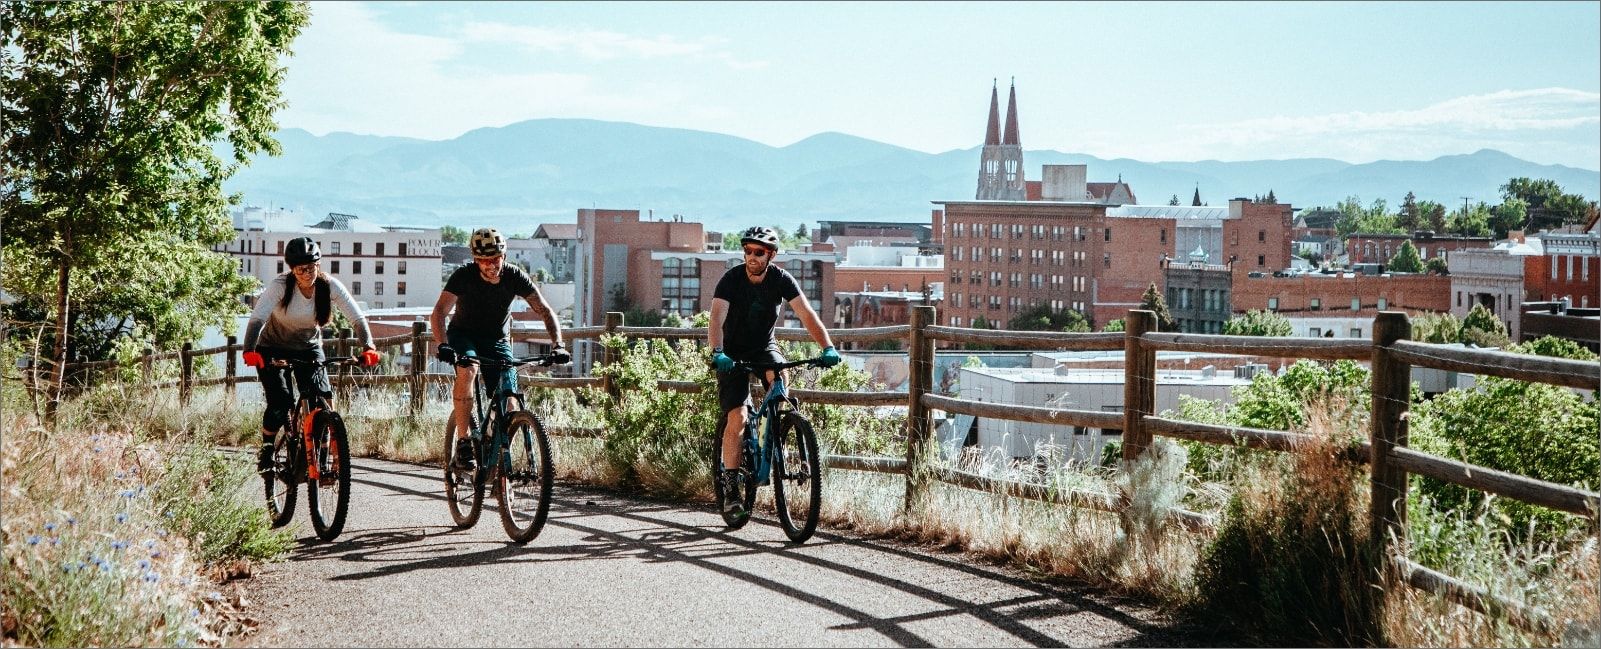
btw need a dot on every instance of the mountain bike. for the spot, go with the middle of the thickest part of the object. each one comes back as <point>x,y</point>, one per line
<point>512,453</point>
<point>777,446</point>
<point>312,449</point>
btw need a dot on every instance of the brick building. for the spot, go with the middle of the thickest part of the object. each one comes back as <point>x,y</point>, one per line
<point>1341,294</point>
<point>1381,248</point>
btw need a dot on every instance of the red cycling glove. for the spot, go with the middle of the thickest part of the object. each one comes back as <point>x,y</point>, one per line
<point>370,357</point>
<point>253,359</point>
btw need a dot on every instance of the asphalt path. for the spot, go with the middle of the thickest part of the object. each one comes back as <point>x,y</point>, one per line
<point>615,570</point>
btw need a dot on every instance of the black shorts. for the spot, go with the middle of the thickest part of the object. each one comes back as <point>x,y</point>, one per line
<point>275,383</point>
<point>733,388</point>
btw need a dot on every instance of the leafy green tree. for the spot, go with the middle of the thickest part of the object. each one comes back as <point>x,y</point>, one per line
<point>1437,328</point>
<point>1471,221</point>
<point>730,241</point>
<point>1547,206</point>
<point>1151,300</point>
<point>1411,216</point>
<point>451,234</point>
<point>112,190</point>
<point>1371,219</point>
<point>1406,260</point>
<point>980,323</point>
<point>1482,328</point>
<point>1437,266</point>
<point>1115,325</point>
<point>1433,215</point>
<point>1043,318</point>
<point>1509,215</point>
<point>1258,323</point>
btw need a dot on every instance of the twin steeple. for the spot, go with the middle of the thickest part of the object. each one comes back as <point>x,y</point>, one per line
<point>1000,171</point>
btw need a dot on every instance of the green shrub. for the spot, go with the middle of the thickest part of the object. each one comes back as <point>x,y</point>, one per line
<point>201,495</point>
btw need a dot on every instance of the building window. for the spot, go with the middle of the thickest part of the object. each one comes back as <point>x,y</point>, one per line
<point>280,247</point>
<point>1356,304</point>
<point>335,267</point>
<point>336,247</point>
<point>956,321</point>
<point>280,268</point>
<point>1317,304</point>
<point>377,288</point>
<point>1272,304</point>
<point>402,246</point>
<point>1108,234</point>
<point>400,288</point>
<point>355,288</point>
<point>1261,260</point>
<point>379,249</point>
<point>1459,298</point>
<point>1356,332</point>
<point>355,248</point>
<point>378,267</point>
<point>1261,235</point>
<point>1106,259</point>
<point>1315,332</point>
<point>355,267</point>
<point>400,267</point>
<point>1383,303</point>
<point>1164,235</point>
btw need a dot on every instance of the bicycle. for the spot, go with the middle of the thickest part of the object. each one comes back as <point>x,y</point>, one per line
<point>516,459</point>
<point>779,446</point>
<point>313,449</point>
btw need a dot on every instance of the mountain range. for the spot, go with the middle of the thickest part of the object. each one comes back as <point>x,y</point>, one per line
<point>517,176</point>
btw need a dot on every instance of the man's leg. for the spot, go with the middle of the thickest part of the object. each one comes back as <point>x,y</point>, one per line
<point>731,433</point>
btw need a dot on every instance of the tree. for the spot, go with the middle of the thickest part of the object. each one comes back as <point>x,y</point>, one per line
<point>1437,328</point>
<point>1406,260</point>
<point>1152,301</point>
<point>1433,215</point>
<point>1271,199</point>
<point>1174,200</point>
<point>1258,323</point>
<point>1470,222</point>
<point>1482,328</point>
<point>1410,217</point>
<point>453,235</point>
<point>980,323</point>
<point>111,184</point>
<point>801,233</point>
<point>1508,216</point>
<point>1115,325</point>
<point>1043,318</point>
<point>1437,266</point>
<point>1372,219</point>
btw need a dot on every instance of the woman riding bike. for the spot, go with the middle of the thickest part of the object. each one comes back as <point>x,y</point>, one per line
<point>287,324</point>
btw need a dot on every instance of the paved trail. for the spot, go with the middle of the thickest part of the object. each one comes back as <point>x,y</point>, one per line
<point>611,570</point>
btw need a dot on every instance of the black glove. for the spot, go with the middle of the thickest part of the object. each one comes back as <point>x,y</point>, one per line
<point>446,354</point>
<point>559,356</point>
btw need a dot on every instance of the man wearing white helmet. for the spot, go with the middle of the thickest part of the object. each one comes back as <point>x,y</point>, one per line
<point>745,310</point>
<point>481,296</point>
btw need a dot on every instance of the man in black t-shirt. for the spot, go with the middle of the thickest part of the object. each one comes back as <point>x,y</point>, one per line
<point>481,295</point>
<point>745,309</point>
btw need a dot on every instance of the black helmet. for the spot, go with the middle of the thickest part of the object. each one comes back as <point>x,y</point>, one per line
<point>487,242</point>
<point>301,250</point>
<point>759,234</point>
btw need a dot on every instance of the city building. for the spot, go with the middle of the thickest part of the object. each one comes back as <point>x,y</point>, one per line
<point>1381,248</point>
<point>382,266</point>
<point>1341,294</point>
<point>551,248</point>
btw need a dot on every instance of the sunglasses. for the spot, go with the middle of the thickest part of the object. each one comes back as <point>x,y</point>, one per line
<point>305,269</point>
<point>757,252</point>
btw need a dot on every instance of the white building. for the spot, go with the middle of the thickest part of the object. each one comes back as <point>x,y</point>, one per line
<point>1101,390</point>
<point>383,267</point>
<point>1494,278</point>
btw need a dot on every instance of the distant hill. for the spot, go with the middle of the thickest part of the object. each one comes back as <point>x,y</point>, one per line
<point>517,176</point>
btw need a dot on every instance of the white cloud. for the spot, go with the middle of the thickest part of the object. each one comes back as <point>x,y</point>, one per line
<point>1547,124</point>
<point>599,45</point>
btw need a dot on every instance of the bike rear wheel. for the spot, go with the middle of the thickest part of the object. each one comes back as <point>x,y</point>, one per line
<point>797,478</point>
<point>525,479</point>
<point>279,479</point>
<point>328,497</point>
<point>747,487</point>
<point>463,493</point>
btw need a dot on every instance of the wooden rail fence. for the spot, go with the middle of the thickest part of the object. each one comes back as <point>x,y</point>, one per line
<point>1385,452</point>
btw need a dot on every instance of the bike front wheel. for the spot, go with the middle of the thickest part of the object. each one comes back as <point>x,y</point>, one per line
<point>525,477</point>
<point>463,493</point>
<point>797,478</point>
<point>279,480</point>
<point>328,496</point>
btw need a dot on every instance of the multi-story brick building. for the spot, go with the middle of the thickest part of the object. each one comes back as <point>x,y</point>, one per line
<point>1341,294</point>
<point>383,267</point>
<point>1381,248</point>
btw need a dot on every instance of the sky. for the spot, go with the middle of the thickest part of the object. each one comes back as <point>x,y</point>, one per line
<point>1150,81</point>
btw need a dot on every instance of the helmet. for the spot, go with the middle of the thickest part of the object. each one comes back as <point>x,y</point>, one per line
<point>486,243</point>
<point>301,250</point>
<point>759,234</point>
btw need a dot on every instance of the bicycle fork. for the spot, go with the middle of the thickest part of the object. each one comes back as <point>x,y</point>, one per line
<point>310,448</point>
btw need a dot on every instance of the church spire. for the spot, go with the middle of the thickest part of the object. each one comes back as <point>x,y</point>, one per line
<point>1197,201</point>
<point>992,135</point>
<point>1011,118</point>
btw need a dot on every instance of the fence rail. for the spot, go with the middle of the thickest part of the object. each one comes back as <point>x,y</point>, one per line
<point>1385,453</point>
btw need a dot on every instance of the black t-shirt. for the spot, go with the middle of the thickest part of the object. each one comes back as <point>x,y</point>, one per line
<point>483,308</point>
<point>753,308</point>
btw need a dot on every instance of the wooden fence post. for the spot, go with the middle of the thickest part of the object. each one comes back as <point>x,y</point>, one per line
<point>187,374</point>
<point>148,366</point>
<point>232,365</point>
<point>609,355</point>
<point>419,360</point>
<point>1139,383</point>
<point>1392,385</point>
<point>919,428</point>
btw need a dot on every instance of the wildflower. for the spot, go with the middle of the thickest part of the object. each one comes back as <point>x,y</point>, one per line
<point>144,564</point>
<point>105,566</point>
<point>194,612</point>
<point>99,448</point>
<point>70,567</point>
<point>33,539</point>
<point>126,493</point>
<point>55,541</point>
<point>151,577</point>
<point>121,475</point>
<point>150,543</point>
<point>49,527</point>
<point>71,521</point>
<point>119,545</point>
<point>122,517</point>
<point>155,554</point>
<point>215,596</point>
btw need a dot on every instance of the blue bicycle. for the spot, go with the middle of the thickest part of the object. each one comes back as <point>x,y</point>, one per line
<point>513,457</point>
<point>777,446</point>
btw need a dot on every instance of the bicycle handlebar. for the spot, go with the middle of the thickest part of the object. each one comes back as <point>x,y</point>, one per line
<point>748,366</point>
<point>543,360</point>
<point>332,362</point>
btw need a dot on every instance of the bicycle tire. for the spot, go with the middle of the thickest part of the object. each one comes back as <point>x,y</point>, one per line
<point>524,485</point>
<point>733,521</point>
<point>332,454</point>
<point>463,494</point>
<point>278,482</point>
<point>797,478</point>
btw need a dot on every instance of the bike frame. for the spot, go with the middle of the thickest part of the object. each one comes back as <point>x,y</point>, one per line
<point>492,440</point>
<point>305,411</point>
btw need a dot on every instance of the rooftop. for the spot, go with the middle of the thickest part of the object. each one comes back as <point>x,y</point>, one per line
<point>1022,375</point>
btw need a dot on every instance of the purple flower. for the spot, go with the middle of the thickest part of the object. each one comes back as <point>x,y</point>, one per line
<point>119,545</point>
<point>155,554</point>
<point>122,517</point>
<point>33,539</point>
<point>215,596</point>
<point>150,543</point>
<point>144,564</point>
<point>71,566</point>
<point>151,577</point>
<point>126,493</point>
<point>72,521</point>
<point>99,448</point>
<point>49,527</point>
<point>121,475</point>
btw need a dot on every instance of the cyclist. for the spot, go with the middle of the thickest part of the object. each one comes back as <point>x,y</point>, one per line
<point>287,324</point>
<point>745,309</point>
<point>481,295</point>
